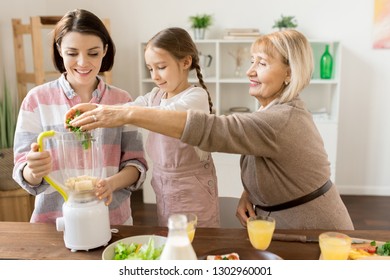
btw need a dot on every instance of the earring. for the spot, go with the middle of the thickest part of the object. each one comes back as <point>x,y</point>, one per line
<point>286,83</point>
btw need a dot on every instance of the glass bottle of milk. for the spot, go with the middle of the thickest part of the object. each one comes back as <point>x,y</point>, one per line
<point>178,245</point>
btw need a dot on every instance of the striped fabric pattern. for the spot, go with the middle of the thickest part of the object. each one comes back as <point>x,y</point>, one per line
<point>44,109</point>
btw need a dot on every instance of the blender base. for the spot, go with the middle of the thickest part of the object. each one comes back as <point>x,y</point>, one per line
<point>85,225</point>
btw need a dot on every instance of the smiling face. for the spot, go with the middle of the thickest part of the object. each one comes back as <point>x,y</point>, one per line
<point>82,55</point>
<point>268,75</point>
<point>168,73</point>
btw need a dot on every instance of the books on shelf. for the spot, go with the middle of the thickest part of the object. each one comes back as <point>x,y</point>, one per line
<point>241,33</point>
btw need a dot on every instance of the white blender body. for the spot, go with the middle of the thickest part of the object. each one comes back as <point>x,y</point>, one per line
<point>86,225</point>
<point>85,221</point>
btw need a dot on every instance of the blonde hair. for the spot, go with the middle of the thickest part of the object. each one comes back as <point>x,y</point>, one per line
<point>296,52</point>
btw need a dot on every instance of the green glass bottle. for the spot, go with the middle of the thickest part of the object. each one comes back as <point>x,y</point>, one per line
<point>326,64</point>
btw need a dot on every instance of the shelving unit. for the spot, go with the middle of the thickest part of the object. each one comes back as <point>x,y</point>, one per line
<point>229,90</point>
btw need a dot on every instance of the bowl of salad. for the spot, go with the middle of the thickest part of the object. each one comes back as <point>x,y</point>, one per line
<point>139,247</point>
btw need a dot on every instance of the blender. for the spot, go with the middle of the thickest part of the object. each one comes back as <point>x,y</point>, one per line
<point>77,167</point>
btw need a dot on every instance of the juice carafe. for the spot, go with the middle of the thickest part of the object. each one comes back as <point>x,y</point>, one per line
<point>178,245</point>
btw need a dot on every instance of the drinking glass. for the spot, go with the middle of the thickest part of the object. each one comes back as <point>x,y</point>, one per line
<point>192,221</point>
<point>334,245</point>
<point>260,231</point>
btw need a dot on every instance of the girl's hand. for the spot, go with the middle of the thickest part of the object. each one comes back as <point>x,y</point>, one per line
<point>38,165</point>
<point>244,209</point>
<point>104,191</point>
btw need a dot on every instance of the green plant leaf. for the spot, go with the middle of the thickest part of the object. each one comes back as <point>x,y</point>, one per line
<point>84,137</point>
<point>11,119</point>
<point>201,21</point>
<point>8,114</point>
<point>3,132</point>
<point>285,22</point>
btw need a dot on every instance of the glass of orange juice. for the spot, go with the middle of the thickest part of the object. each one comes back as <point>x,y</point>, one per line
<point>260,231</point>
<point>334,245</point>
<point>192,221</point>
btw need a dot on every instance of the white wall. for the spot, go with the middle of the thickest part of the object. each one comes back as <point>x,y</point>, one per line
<point>364,151</point>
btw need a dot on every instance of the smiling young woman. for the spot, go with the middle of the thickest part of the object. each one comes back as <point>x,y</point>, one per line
<point>82,47</point>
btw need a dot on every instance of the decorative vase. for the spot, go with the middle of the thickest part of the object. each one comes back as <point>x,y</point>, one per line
<point>239,54</point>
<point>326,64</point>
<point>238,71</point>
<point>199,33</point>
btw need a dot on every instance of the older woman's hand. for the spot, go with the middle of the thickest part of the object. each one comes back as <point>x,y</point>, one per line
<point>76,111</point>
<point>94,116</point>
<point>244,209</point>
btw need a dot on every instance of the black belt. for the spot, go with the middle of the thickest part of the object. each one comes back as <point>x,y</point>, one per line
<point>298,201</point>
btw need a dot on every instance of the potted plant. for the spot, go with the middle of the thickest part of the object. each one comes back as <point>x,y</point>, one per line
<point>18,202</point>
<point>199,23</point>
<point>285,22</point>
<point>8,117</point>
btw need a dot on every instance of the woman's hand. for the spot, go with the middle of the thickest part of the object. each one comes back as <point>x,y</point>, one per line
<point>38,165</point>
<point>169,123</point>
<point>244,209</point>
<point>94,116</point>
<point>104,191</point>
<point>81,108</point>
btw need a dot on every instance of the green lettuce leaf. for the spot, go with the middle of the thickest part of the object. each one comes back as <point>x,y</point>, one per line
<point>145,252</point>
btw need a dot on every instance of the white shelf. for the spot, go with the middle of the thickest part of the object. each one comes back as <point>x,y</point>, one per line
<point>234,81</point>
<point>324,82</point>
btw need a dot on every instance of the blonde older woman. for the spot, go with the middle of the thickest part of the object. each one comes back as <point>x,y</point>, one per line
<point>284,166</point>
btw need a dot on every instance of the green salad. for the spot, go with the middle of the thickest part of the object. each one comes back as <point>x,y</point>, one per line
<point>84,137</point>
<point>382,250</point>
<point>135,251</point>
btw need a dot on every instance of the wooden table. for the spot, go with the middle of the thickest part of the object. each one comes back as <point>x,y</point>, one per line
<point>22,240</point>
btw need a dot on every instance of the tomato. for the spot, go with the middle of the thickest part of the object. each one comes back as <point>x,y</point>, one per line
<point>232,257</point>
<point>371,249</point>
<point>367,247</point>
<point>226,257</point>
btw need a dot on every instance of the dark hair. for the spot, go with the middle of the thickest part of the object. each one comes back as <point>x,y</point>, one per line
<point>82,21</point>
<point>179,44</point>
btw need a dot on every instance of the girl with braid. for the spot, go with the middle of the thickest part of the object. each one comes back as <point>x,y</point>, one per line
<point>184,177</point>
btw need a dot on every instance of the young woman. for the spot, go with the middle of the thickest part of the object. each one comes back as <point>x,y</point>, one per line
<point>184,177</point>
<point>82,47</point>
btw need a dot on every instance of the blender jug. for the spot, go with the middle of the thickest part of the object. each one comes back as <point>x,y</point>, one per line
<point>77,167</point>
